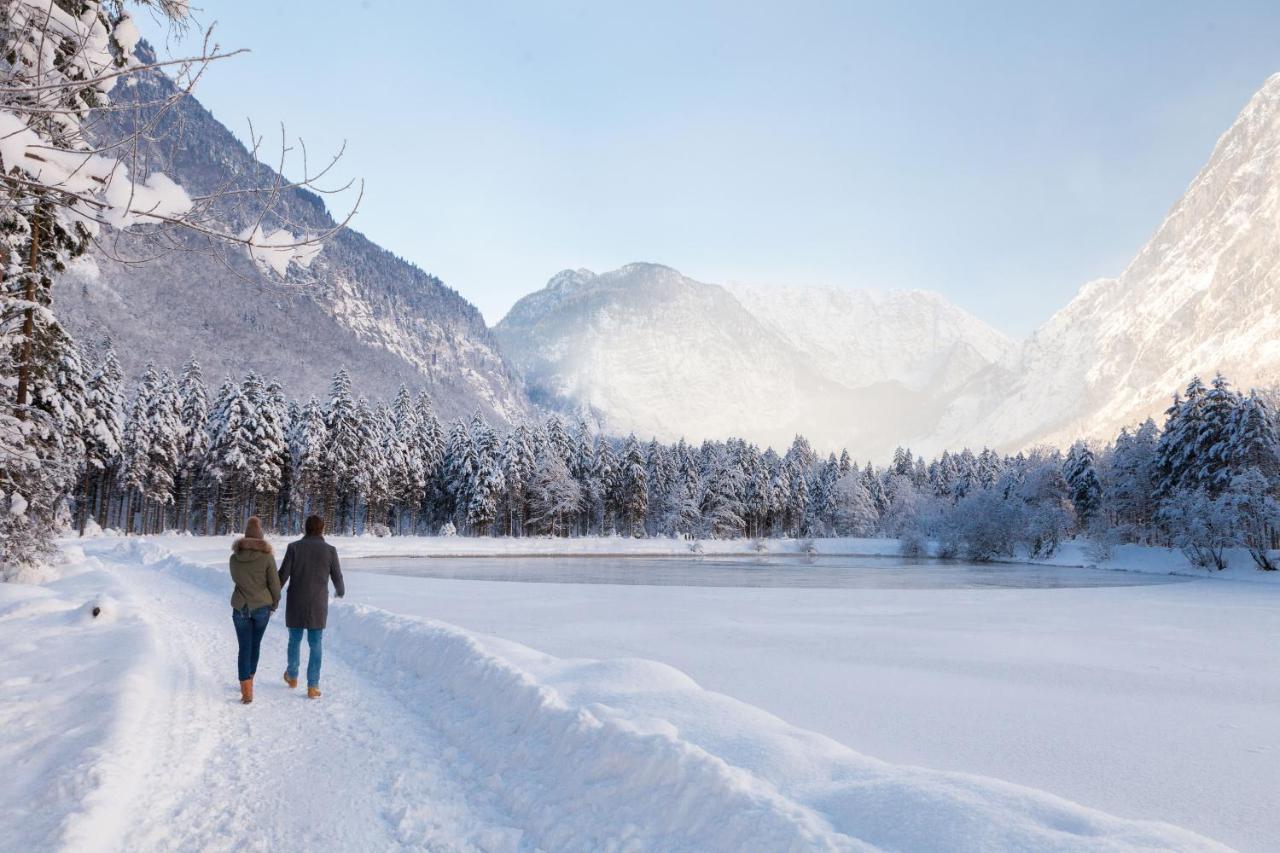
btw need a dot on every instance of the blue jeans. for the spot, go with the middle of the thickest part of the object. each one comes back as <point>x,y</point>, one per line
<point>250,626</point>
<point>314,636</point>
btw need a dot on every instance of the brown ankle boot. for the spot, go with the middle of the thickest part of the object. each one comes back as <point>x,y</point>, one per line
<point>313,692</point>
<point>292,682</point>
<point>246,691</point>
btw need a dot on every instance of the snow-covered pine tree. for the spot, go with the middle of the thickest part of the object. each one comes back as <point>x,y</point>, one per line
<point>560,439</point>
<point>779,493</point>
<point>582,465</point>
<point>1254,443</point>
<point>42,407</point>
<point>684,508</point>
<point>378,456</point>
<point>1178,440</point>
<point>967,477</point>
<point>488,483</point>
<point>519,465</point>
<point>796,490</point>
<point>137,451</point>
<point>920,476</point>
<point>409,474</point>
<point>460,466</point>
<point>164,450</point>
<point>194,397</point>
<point>604,490</point>
<point>227,472</point>
<point>661,470</point>
<point>1213,451</point>
<point>988,468</point>
<point>308,445</point>
<point>264,421</point>
<point>824,501</point>
<point>721,506</point>
<point>431,444</point>
<point>633,488</point>
<point>1133,481</point>
<point>41,439</point>
<point>755,488</point>
<point>943,477</point>
<point>282,413</point>
<point>874,485</point>
<point>343,461</point>
<point>104,430</point>
<point>903,463</point>
<point>801,453</point>
<point>1084,487</point>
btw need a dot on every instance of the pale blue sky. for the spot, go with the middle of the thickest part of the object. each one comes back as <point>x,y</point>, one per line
<point>1000,154</point>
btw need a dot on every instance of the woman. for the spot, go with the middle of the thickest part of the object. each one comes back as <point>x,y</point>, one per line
<point>257,595</point>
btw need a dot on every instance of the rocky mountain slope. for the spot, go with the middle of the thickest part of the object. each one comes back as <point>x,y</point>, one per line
<point>1201,296</point>
<point>653,351</point>
<point>358,305</point>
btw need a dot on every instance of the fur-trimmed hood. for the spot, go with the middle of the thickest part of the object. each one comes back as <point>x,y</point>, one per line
<point>244,543</point>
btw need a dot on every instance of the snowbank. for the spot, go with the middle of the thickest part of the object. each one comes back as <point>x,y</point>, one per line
<point>591,755</point>
<point>1153,560</point>
<point>73,697</point>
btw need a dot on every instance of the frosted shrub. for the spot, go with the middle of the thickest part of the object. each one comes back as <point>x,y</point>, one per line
<point>1254,514</point>
<point>378,529</point>
<point>1103,537</point>
<point>447,529</point>
<point>1200,526</point>
<point>986,525</point>
<point>1042,528</point>
<point>912,543</point>
<point>949,543</point>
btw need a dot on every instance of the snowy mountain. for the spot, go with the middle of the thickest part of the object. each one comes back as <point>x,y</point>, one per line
<point>1201,296</point>
<point>862,337</point>
<point>361,306</point>
<point>655,352</point>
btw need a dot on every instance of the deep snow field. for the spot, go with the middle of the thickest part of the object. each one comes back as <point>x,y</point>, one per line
<point>632,717</point>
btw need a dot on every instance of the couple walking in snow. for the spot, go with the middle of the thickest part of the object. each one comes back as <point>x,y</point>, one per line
<point>309,565</point>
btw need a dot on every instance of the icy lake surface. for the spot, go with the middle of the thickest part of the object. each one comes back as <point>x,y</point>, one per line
<point>772,571</point>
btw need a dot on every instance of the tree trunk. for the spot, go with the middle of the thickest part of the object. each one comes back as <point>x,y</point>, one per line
<point>28,321</point>
<point>82,504</point>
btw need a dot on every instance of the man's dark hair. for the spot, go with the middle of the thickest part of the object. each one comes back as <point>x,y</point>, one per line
<point>315,525</point>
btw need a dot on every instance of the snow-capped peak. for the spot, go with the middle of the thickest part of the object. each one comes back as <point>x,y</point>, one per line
<point>662,354</point>
<point>1201,296</point>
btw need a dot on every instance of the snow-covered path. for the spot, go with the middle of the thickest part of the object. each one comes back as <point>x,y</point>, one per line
<point>223,776</point>
<point>124,732</point>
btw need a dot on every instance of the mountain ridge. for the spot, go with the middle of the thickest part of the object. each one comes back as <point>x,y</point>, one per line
<point>363,307</point>
<point>650,350</point>
<point>1201,296</point>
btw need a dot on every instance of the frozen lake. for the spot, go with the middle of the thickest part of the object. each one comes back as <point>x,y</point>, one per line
<point>772,571</point>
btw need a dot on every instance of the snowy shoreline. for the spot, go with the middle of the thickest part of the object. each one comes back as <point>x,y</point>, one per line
<point>1071,554</point>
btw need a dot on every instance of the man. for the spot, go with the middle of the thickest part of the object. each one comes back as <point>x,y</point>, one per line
<point>309,564</point>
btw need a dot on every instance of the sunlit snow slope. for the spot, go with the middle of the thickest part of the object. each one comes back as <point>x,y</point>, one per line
<point>656,352</point>
<point>1200,297</point>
